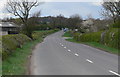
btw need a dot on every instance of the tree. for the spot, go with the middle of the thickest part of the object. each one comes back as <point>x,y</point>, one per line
<point>111,9</point>
<point>73,21</point>
<point>21,8</point>
<point>32,23</point>
<point>60,21</point>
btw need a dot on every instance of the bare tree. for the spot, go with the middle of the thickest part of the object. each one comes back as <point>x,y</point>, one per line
<point>21,8</point>
<point>33,22</point>
<point>111,9</point>
<point>74,20</point>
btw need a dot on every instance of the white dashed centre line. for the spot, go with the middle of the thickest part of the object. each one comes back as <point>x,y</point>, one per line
<point>114,73</point>
<point>64,47</point>
<point>89,61</point>
<point>76,54</point>
<point>69,50</point>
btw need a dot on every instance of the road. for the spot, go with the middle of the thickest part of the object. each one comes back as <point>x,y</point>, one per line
<point>55,56</point>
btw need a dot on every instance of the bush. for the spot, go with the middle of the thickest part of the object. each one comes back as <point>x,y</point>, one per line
<point>76,36</point>
<point>116,24</point>
<point>111,37</point>
<point>43,27</point>
<point>41,34</point>
<point>88,37</point>
<point>11,42</point>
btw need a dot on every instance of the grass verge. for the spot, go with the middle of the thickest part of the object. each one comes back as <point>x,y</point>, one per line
<point>97,45</point>
<point>67,34</point>
<point>17,62</point>
<point>93,44</point>
<point>0,67</point>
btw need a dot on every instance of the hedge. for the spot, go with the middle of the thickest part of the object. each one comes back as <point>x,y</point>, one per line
<point>38,34</point>
<point>116,24</point>
<point>111,37</point>
<point>11,42</point>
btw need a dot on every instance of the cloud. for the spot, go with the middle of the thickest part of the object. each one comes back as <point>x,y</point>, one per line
<point>65,8</point>
<point>69,8</point>
<point>97,3</point>
<point>72,0</point>
<point>2,4</point>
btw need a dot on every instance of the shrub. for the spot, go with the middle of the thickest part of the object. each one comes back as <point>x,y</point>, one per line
<point>111,37</point>
<point>116,24</point>
<point>88,37</point>
<point>76,36</point>
<point>38,34</point>
<point>11,42</point>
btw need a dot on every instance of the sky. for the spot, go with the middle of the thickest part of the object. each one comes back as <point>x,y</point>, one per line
<point>64,7</point>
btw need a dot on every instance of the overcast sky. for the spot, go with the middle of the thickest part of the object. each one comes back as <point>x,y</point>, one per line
<point>66,8</point>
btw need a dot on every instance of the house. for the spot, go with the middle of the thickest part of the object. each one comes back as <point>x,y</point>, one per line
<point>8,28</point>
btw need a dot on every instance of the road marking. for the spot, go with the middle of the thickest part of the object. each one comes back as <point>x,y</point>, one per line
<point>69,50</point>
<point>89,61</point>
<point>114,73</point>
<point>76,54</point>
<point>64,47</point>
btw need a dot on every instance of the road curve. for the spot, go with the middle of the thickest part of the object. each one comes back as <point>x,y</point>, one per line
<point>55,56</point>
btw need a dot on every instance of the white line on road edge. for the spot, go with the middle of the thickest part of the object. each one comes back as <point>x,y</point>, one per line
<point>76,54</point>
<point>69,50</point>
<point>89,61</point>
<point>64,47</point>
<point>114,73</point>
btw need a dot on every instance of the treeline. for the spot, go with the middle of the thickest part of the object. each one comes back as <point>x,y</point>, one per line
<point>51,22</point>
<point>59,22</point>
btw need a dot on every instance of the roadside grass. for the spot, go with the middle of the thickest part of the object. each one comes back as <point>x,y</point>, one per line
<point>67,34</point>
<point>97,45</point>
<point>94,44</point>
<point>72,40</point>
<point>103,47</point>
<point>0,67</point>
<point>16,64</point>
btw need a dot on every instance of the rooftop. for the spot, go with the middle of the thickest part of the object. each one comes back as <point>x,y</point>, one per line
<point>7,24</point>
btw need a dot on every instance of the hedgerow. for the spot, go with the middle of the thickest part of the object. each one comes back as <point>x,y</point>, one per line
<point>38,34</point>
<point>111,37</point>
<point>11,42</point>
